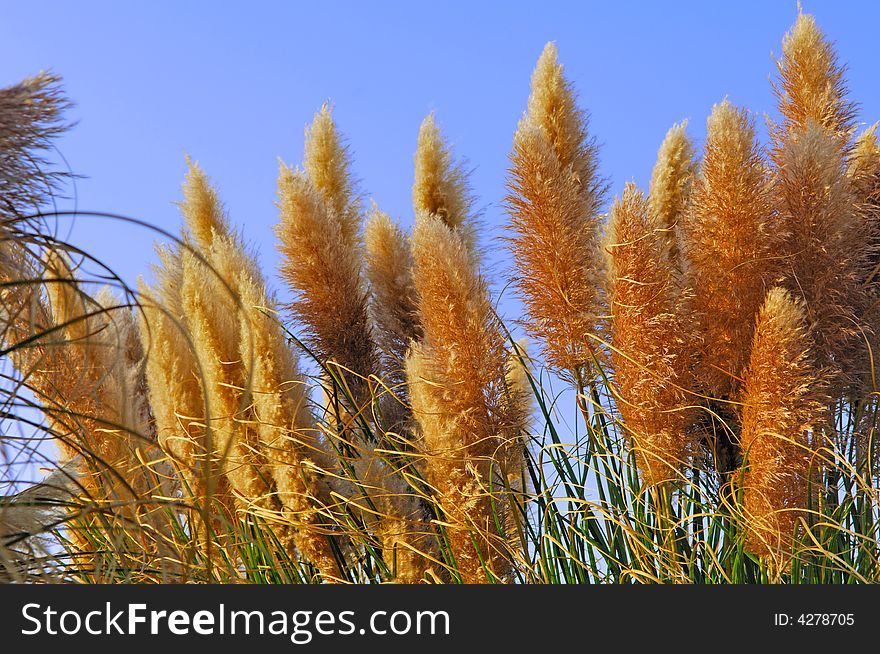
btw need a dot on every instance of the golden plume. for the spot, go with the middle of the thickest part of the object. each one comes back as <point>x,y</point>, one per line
<point>829,248</point>
<point>441,186</point>
<point>210,302</point>
<point>671,182</point>
<point>177,399</point>
<point>732,242</point>
<point>323,269</point>
<point>554,199</point>
<point>783,413</point>
<point>285,428</point>
<point>811,87</point>
<point>393,296</point>
<point>327,163</point>
<point>457,383</point>
<point>650,354</point>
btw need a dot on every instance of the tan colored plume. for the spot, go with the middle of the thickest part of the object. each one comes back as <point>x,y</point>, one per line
<point>783,413</point>
<point>457,378</point>
<point>554,199</point>
<point>732,244</point>
<point>650,351</point>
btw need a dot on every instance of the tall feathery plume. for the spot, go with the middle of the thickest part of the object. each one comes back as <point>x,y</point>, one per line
<point>864,160</point>
<point>671,183</point>
<point>811,87</point>
<point>30,119</point>
<point>319,239</point>
<point>652,361</point>
<point>209,298</point>
<point>829,249</point>
<point>176,394</point>
<point>288,436</point>
<point>251,399</point>
<point>441,185</point>
<point>457,384</point>
<point>440,189</point>
<point>554,198</point>
<point>327,163</point>
<point>409,539</point>
<point>863,171</point>
<point>393,302</point>
<point>783,410</point>
<point>96,398</point>
<point>732,241</point>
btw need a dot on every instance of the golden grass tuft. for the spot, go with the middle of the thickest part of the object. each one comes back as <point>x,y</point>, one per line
<point>327,163</point>
<point>671,182</point>
<point>863,171</point>
<point>552,107</point>
<point>209,295</point>
<point>732,241</point>
<point>231,404</point>
<point>393,300</point>
<point>553,201</point>
<point>89,376</point>
<point>286,431</point>
<point>322,267</point>
<point>441,185</point>
<point>829,250</point>
<point>811,87</point>
<point>30,119</point>
<point>176,395</point>
<point>468,425</point>
<point>783,414</point>
<point>650,351</point>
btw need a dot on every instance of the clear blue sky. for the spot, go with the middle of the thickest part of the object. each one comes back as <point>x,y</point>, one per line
<point>234,84</point>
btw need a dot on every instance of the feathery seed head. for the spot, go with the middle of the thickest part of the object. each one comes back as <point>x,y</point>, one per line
<point>651,359</point>
<point>554,197</point>
<point>327,162</point>
<point>864,158</point>
<point>441,186</point>
<point>672,177</point>
<point>324,272</point>
<point>457,377</point>
<point>783,411</point>
<point>732,240</point>
<point>553,108</point>
<point>830,249</point>
<point>554,239</point>
<point>394,309</point>
<point>30,119</point>
<point>201,207</point>
<point>811,84</point>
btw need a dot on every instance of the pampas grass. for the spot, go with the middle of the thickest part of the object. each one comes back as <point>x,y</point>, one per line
<point>554,198</point>
<point>385,425</point>
<point>732,241</point>
<point>323,268</point>
<point>652,357</point>
<point>784,409</point>
<point>671,182</point>
<point>811,85</point>
<point>468,425</point>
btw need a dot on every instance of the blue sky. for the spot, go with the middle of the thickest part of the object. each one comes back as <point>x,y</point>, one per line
<point>233,84</point>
